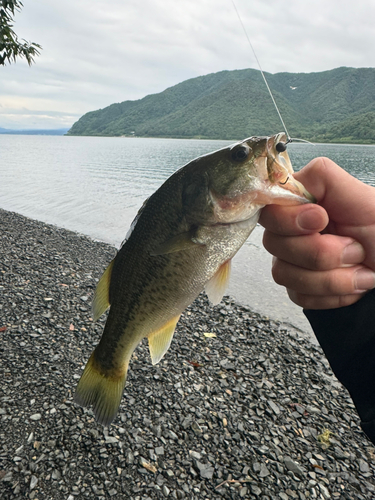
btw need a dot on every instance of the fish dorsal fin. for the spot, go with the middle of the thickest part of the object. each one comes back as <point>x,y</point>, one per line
<point>183,241</point>
<point>101,296</point>
<point>160,340</point>
<point>215,288</point>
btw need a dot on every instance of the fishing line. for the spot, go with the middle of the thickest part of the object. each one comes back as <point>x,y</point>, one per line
<point>260,67</point>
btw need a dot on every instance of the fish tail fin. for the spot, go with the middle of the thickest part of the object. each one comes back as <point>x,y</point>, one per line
<point>102,391</point>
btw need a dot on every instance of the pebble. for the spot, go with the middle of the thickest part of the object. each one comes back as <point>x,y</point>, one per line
<point>206,470</point>
<point>293,466</point>
<point>243,423</point>
<point>36,416</point>
<point>274,407</point>
<point>33,482</point>
<point>363,466</point>
<point>263,471</point>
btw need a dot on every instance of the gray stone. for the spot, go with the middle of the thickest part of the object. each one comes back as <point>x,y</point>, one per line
<point>293,466</point>
<point>263,471</point>
<point>33,482</point>
<point>274,407</point>
<point>363,466</point>
<point>255,490</point>
<point>166,491</point>
<point>36,416</point>
<point>206,470</point>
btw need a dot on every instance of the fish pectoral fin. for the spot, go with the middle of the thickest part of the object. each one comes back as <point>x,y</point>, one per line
<point>183,241</point>
<point>101,296</point>
<point>101,390</point>
<point>215,288</point>
<point>160,340</point>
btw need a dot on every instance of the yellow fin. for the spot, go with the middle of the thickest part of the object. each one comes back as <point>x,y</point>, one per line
<point>183,241</point>
<point>160,340</point>
<point>215,288</point>
<point>101,296</point>
<point>101,391</point>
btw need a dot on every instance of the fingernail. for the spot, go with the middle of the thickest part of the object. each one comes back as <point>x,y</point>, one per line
<point>353,253</point>
<point>364,279</point>
<point>310,220</point>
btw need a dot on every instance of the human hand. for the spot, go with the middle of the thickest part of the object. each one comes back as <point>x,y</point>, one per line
<point>324,254</point>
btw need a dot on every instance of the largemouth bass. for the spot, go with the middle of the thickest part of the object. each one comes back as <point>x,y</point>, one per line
<point>181,243</point>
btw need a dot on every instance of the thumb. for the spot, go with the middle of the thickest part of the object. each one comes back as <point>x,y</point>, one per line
<point>350,203</point>
<point>347,200</point>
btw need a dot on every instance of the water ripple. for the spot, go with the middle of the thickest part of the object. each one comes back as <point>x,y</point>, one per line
<point>96,185</point>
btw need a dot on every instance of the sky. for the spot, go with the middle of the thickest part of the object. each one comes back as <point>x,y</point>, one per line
<point>96,52</point>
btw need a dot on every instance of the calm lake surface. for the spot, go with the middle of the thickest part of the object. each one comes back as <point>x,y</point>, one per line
<point>96,185</point>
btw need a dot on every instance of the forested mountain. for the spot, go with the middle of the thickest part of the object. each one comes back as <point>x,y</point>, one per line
<point>329,106</point>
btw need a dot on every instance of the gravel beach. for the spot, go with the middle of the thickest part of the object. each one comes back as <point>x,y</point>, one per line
<point>240,407</point>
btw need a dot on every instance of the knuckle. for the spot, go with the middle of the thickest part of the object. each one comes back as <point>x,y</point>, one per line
<point>322,258</point>
<point>278,272</point>
<point>268,238</point>
<point>298,298</point>
<point>336,284</point>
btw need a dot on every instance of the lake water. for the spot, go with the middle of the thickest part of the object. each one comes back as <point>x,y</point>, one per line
<point>96,185</point>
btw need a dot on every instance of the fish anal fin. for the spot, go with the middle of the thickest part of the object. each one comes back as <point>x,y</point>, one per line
<point>102,391</point>
<point>101,296</point>
<point>215,288</point>
<point>160,340</point>
<point>183,241</point>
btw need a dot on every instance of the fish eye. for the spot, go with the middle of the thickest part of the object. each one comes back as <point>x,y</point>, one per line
<point>240,153</point>
<point>280,147</point>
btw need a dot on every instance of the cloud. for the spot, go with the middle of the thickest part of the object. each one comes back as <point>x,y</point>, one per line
<point>96,53</point>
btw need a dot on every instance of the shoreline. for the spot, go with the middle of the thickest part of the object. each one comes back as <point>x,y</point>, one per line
<point>235,415</point>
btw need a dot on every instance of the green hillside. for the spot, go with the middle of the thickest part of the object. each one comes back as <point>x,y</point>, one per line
<point>330,106</point>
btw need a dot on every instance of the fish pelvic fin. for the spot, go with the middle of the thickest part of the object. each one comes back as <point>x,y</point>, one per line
<point>101,297</point>
<point>102,391</point>
<point>215,288</point>
<point>160,340</point>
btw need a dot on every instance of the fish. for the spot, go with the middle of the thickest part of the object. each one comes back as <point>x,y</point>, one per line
<point>180,243</point>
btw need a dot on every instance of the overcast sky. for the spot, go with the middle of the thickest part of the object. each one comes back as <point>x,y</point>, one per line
<point>97,52</point>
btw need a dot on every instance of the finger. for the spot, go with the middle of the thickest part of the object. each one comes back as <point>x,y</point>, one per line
<point>340,281</point>
<point>294,220</point>
<point>322,302</point>
<point>346,199</point>
<point>349,202</point>
<point>317,252</point>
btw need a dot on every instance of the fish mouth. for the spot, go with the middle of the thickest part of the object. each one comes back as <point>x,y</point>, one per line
<point>279,165</point>
<point>297,188</point>
<point>288,192</point>
<point>282,186</point>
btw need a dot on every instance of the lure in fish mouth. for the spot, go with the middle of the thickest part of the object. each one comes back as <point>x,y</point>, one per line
<point>181,243</point>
